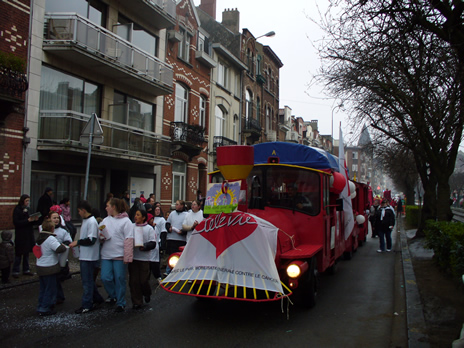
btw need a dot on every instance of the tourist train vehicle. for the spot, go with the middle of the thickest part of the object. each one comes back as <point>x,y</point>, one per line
<point>289,226</point>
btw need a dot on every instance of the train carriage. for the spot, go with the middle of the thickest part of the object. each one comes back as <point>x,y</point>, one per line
<point>292,187</point>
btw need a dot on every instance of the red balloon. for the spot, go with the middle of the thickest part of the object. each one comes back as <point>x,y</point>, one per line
<point>338,184</point>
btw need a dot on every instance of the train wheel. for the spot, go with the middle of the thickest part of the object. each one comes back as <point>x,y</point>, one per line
<point>307,291</point>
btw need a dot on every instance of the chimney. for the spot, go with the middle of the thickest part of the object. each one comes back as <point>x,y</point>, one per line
<point>231,20</point>
<point>209,6</point>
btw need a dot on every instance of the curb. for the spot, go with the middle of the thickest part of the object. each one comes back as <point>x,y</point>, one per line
<point>417,337</point>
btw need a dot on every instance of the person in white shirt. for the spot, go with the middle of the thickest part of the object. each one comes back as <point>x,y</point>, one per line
<point>139,268</point>
<point>117,232</point>
<point>176,237</point>
<point>48,268</point>
<point>159,224</point>
<point>193,218</point>
<point>63,236</point>
<point>89,255</point>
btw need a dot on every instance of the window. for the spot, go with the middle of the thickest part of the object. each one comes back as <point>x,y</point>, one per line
<point>248,105</point>
<point>184,46</point>
<point>289,188</point>
<point>202,111</point>
<point>219,114</point>
<point>258,65</point>
<point>93,10</point>
<point>237,85</point>
<point>258,108</point>
<point>235,128</point>
<point>66,185</point>
<point>138,36</point>
<point>355,155</point>
<point>178,179</point>
<point>250,62</point>
<point>61,91</point>
<point>203,43</point>
<point>354,168</point>
<point>133,112</point>
<point>269,77</point>
<point>268,119</point>
<point>181,104</point>
<point>223,72</point>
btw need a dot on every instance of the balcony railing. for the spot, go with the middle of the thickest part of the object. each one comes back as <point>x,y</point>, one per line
<point>12,83</point>
<point>64,127</point>
<point>222,141</point>
<point>292,136</point>
<point>252,125</point>
<point>272,135</point>
<point>167,5</point>
<point>74,30</point>
<point>187,133</point>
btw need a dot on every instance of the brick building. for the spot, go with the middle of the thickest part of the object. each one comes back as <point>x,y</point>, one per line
<point>14,33</point>
<point>187,110</point>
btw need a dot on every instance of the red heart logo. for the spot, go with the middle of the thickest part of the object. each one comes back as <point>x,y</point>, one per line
<point>224,230</point>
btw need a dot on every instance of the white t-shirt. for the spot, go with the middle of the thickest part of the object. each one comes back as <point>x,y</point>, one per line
<point>49,256</point>
<point>191,218</point>
<point>62,235</point>
<point>148,236</point>
<point>160,227</point>
<point>119,230</point>
<point>176,220</point>
<point>89,229</point>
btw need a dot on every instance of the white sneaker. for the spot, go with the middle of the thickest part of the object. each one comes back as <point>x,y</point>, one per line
<point>380,251</point>
<point>389,250</point>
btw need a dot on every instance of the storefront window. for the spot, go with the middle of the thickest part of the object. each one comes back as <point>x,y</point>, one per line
<point>66,185</point>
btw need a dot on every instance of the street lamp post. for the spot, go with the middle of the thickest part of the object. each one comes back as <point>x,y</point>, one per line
<point>333,109</point>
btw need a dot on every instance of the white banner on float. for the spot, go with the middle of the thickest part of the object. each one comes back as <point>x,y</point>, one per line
<point>235,249</point>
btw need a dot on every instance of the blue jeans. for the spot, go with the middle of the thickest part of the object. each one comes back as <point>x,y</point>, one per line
<point>385,233</point>
<point>17,263</point>
<point>47,293</point>
<point>91,294</point>
<point>113,276</point>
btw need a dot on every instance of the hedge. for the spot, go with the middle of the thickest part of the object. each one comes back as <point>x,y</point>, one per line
<point>412,216</point>
<point>447,241</point>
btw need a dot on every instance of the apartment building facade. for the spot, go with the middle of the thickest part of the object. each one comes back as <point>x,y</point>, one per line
<point>108,58</point>
<point>14,31</point>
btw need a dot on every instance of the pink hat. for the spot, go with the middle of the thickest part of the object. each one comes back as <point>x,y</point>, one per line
<point>149,217</point>
<point>56,209</point>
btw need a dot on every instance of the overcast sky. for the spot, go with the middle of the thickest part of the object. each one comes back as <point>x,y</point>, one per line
<point>293,44</point>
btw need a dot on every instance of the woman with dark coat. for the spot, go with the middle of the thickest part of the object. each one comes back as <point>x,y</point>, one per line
<point>24,235</point>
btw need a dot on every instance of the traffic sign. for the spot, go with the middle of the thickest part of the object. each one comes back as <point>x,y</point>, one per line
<point>93,127</point>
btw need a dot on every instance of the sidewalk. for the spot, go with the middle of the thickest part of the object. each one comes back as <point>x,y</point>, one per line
<point>417,335</point>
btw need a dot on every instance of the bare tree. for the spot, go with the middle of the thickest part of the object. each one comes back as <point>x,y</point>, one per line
<point>396,65</point>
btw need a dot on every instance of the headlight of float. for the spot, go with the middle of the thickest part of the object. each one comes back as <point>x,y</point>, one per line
<point>173,260</point>
<point>293,271</point>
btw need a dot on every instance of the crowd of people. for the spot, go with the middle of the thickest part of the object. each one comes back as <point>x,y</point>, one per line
<point>126,241</point>
<point>382,217</point>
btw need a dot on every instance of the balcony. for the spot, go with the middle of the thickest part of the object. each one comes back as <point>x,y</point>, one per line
<point>271,135</point>
<point>222,141</point>
<point>160,13</point>
<point>260,79</point>
<point>12,85</point>
<point>60,130</point>
<point>187,138</point>
<point>99,51</point>
<point>292,137</point>
<point>252,125</point>
<point>205,58</point>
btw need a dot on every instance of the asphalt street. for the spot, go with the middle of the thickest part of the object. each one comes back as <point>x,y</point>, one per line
<point>362,305</point>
